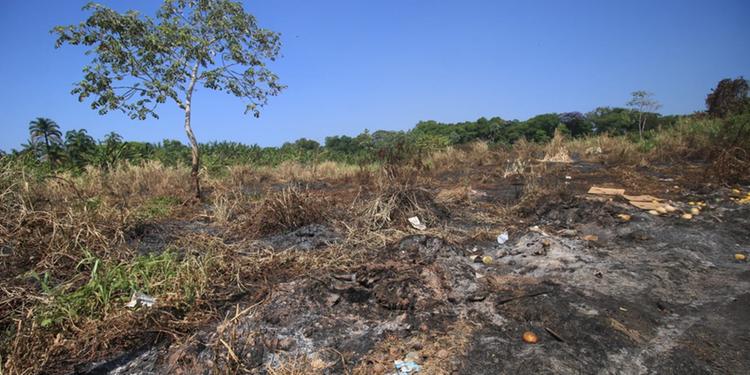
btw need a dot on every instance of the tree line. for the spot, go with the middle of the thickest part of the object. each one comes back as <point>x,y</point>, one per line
<point>75,150</point>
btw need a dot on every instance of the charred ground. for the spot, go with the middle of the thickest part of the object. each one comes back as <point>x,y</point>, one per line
<point>281,275</point>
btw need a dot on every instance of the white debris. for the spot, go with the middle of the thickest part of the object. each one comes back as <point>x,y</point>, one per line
<point>138,299</point>
<point>414,221</point>
<point>502,238</point>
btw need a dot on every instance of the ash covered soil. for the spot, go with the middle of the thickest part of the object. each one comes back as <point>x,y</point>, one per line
<point>655,294</point>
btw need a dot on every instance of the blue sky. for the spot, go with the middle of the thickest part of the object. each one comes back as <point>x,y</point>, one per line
<point>355,64</point>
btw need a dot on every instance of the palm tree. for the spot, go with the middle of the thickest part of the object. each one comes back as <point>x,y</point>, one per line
<point>44,129</point>
<point>111,151</point>
<point>79,146</point>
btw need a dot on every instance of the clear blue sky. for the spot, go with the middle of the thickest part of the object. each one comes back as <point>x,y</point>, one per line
<point>352,64</point>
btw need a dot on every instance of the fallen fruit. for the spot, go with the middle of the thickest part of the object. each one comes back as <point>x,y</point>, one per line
<point>624,217</point>
<point>687,216</point>
<point>662,210</point>
<point>695,210</point>
<point>487,259</point>
<point>590,237</point>
<point>654,212</point>
<point>740,257</point>
<point>530,337</point>
<point>670,208</point>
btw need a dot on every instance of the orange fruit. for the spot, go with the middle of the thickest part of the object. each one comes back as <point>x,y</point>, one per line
<point>530,337</point>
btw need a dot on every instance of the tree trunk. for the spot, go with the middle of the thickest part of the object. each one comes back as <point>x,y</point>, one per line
<point>641,124</point>
<point>47,148</point>
<point>191,136</point>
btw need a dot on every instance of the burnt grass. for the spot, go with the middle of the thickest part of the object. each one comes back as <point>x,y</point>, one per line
<point>653,294</point>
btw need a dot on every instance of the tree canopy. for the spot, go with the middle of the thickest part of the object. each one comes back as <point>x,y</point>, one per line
<point>729,97</point>
<point>140,62</point>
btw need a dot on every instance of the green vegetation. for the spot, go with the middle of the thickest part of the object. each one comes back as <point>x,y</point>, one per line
<point>114,281</point>
<point>79,150</point>
<point>157,207</point>
<point>140,62</point>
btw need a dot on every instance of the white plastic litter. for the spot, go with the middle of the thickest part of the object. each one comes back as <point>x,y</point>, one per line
<point>139,299</point>
<point>407,367</point>
<point>502,238</point>
<point>414,221</point>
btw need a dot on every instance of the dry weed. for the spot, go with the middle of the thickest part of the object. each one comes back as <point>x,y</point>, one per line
<point>462,194</point>
<point>291,171</point>
<point>607,149</point>
<point>288,209</point>
<point>439,351</point>
<point>732,166</point>
<point>556,151</point>
<point>394,204</point>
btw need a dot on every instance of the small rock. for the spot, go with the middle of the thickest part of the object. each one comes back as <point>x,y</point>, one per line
<point>476,297</point>
<point>568,232</point>
<point>286,344</point>
<point>413,356</point>
<point>332,299</point>
<point>378,368</point>
<point>318,364</point>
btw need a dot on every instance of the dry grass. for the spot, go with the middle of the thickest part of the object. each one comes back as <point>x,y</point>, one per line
<point>297,365</point>
<point>461,195</point>
<point>290,171</point>
<point>556,151</point>
<point>288,209</point>
<point>64,240</point>
<point>393,205</point>
<point>474,154</point>
<point>607,149</point>
<point>437,349</point>
<point>732,165</point>
<point>688,139</point>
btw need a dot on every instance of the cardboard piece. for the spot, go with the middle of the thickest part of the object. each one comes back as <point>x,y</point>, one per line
<point>641,198</point>
<point>606,191</point>
<point>646,205</point>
